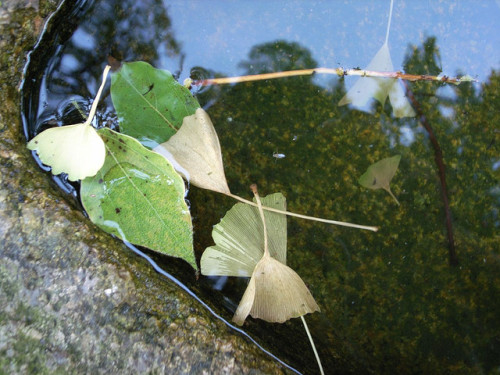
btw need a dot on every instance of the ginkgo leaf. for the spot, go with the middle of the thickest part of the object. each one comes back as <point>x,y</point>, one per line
<point>275,294</point>
<point>74,149</point>
<point>239,239</point>
<point>379,174</point>
<point>196,148</point>
<point>379,88</point>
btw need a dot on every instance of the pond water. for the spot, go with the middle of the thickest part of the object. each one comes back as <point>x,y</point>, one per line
<point>419,296</point>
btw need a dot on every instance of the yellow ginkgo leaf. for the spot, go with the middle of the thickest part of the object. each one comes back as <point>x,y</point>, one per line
<point>239,239</point>
<point>275,293</point>
<point>74,149</point>
<point>244,247</point>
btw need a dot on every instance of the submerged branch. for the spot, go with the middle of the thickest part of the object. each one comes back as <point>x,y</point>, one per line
<point>438,157</point>
<point>338,71</point>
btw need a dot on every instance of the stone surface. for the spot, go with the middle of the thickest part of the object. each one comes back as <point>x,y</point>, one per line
<point>74,300</point>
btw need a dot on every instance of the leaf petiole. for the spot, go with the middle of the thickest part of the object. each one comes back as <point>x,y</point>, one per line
<point>341,223</point>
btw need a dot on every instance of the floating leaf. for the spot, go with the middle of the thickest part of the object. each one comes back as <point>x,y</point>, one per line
<point>379,174</point>
<point>379,88</point>
<point>74,149</point>
<point>138,197</point>
<point>149,102</point>
<point>196,149</point>
<point>239,239</point>
<point>275,294</point>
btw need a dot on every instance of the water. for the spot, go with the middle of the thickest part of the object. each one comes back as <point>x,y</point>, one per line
<point>390,300</point>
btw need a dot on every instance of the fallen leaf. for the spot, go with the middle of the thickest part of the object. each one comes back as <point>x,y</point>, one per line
<point>379,175</point>
<point>139,197</point>
<point>379,88</point>
<point>275,292</point>
<point>239,239</point>
<point>196,149</point>
<point>149,102</point>
<point>73,149</point>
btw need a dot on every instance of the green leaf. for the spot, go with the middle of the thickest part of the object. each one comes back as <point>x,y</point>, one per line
<point>239,239</point>
<point>138,197</point>
<point>149,102</point>
<point>379,174</point>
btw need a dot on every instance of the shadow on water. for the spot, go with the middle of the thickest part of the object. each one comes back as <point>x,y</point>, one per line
<point>390,302</point>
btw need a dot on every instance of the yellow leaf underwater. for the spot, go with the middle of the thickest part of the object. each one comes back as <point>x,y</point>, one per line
<point>379,175</point>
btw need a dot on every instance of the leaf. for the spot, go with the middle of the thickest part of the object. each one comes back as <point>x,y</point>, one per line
<point>275,294</point>
<point>73,149</point>
<point>149,102</point>
<point>379,174</point>
<point>379,88</point>
<point>196,149</point>
<point>239,239</point>
<point>138,197</point>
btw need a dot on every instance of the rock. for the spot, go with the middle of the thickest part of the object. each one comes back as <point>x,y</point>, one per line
<point>73,299</point>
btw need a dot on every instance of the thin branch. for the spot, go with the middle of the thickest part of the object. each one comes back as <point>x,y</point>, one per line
<point>338,71</point>
<point>438,157</point>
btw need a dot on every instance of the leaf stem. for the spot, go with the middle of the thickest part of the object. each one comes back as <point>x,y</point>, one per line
<point>312,344</point>
<point>341,223</point>
<point>341,72</point>
<point>261,212</point>
<point>392,195</point>
<point>93,109</point>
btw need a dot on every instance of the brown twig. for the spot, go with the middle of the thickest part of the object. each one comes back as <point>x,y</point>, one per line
<point>438,157</point>
<point>338,71</point>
